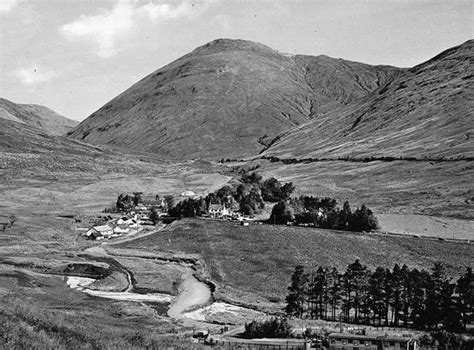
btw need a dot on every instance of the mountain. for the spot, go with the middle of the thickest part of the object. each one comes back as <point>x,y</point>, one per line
<point>425,112</point>
<point>36,116</point>
<point>228,98</point>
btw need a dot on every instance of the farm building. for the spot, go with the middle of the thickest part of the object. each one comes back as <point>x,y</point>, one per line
<point>99,232</point>
<point>218,210</point>
<point>346,341</point>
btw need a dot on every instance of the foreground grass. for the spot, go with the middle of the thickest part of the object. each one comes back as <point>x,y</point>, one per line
<point>41,312</point>
<point>253,264</point>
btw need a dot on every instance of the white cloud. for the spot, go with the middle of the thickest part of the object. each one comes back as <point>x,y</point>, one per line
<point>111,25</point>
<point>34,75</point>
<point>7,5</point>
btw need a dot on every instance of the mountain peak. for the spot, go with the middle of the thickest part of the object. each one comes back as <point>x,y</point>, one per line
<point>223,45</point>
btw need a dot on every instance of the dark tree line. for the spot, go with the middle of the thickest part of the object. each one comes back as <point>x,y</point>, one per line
<point>323,213</point>
<point>398,297</point>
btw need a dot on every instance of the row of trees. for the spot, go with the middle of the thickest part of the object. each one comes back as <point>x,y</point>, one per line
<point>398,297</point>
<point>323,213</point>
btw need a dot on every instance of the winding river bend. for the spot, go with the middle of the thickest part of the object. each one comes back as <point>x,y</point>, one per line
<point>192,293</point>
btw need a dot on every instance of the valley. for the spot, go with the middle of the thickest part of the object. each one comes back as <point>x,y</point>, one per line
<point>397,140</point>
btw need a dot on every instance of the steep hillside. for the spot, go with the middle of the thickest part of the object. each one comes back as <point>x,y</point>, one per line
<point>37,116</point>
<point>228,98</point>
<point>425,113</point>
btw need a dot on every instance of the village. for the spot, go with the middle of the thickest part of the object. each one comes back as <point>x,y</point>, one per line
<point>146,211</point>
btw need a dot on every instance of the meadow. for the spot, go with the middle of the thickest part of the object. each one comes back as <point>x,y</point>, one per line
<point>252,265</point>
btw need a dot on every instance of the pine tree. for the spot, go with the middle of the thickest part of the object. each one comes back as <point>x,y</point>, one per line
<point>465,299</point>
<point>297,292</point>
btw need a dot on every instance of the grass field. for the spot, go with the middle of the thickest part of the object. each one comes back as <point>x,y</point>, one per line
<point>252,265</point>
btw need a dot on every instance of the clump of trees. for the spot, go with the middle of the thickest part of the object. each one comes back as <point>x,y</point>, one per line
<point>276,327</point>
<point>323,213</point>
<point>189,208</point>
<point>247,195</point>
<point>398,297</point>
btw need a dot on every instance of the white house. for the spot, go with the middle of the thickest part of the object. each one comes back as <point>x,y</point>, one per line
<point>218,210</point>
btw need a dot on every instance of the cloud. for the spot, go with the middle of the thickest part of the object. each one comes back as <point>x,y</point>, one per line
<point>34,75</point>
<point>109,26</point>
<point>7,5</point>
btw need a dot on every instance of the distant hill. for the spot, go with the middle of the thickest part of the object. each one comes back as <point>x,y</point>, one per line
<point>228,98</point>
<point>36,116</point>
<point>426,112</point>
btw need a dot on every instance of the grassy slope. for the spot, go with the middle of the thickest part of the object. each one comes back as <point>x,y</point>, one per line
<point>36,116</point>
<point>227,98</point>
<point>425,112</point>
<point>253,264</point>
<point>430,188</point>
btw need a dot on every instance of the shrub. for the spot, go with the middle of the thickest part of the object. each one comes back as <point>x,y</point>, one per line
<point>272,328</point>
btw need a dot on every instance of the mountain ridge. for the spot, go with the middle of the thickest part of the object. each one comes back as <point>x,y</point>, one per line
<point>227,98</point>
<point>425,112</point>
<point>37,116</point>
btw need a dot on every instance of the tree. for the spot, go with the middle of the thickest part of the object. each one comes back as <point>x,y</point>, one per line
<point>124,202</point>
<point>356,283</point>
<point>137,198</point>
<point>154,217</point>
<point>281,213</point>
<point>344,218</point>
<point>272,328</point>
<point>364,220</point>
<point>379,294</point>
<point>297,291</point>
<point>465,299</point>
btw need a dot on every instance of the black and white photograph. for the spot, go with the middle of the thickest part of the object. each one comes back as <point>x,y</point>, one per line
<point>237,174</point>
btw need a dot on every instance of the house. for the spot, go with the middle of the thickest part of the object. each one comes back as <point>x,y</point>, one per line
<point>153,202</point>
<point>218,210</point>
<point>343,341</point>
<point>188,194</point>
<point>99,232</point>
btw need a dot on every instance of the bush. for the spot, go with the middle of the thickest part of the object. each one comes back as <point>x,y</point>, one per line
<point>272,328</point>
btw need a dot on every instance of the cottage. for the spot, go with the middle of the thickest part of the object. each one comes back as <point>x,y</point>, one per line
<point>218,210</point>
<point>99,232</point>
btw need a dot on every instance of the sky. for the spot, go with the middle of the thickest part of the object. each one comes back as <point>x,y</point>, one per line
<point>75,55</point>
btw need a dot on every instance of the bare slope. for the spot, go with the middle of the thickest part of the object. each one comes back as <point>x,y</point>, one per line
<point>228,98</point>
<point>426,112</point>
<point>37,116</point>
